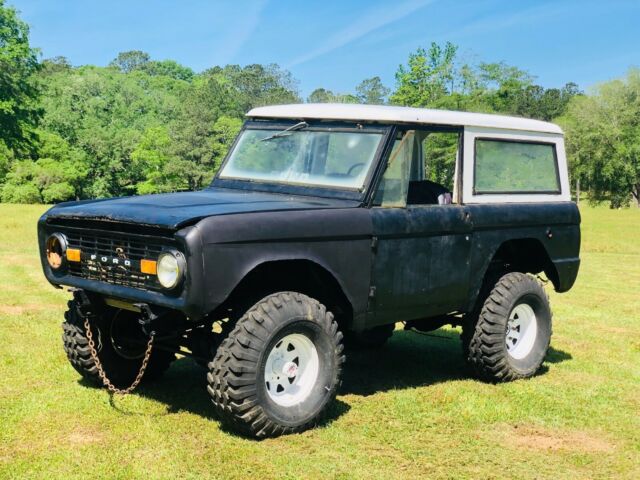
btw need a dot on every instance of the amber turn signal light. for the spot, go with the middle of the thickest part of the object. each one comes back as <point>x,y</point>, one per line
<point>148,266</point>
<point>73,254</point>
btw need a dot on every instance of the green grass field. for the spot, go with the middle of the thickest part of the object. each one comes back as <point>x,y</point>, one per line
<point>408,411</point>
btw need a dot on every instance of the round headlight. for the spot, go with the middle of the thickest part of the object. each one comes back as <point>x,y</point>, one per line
<point>56,250</point>
<point>171,268</point>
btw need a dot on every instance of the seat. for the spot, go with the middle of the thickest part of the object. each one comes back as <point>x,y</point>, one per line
<point>426,192</point>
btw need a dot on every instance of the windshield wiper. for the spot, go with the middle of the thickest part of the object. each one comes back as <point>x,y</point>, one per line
<point>286,131</point>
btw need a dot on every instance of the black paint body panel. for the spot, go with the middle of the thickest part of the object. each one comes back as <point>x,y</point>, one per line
<point>175,210</point>
<point>421,264</point>
<point>556,226</point>
<point>392,264</point>
<point>338,240</point>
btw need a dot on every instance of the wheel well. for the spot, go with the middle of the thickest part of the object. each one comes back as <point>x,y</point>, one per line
<point>526,255</point>
<point>302,276</point>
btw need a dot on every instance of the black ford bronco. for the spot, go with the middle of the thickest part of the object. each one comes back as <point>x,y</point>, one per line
<point>326,225</point>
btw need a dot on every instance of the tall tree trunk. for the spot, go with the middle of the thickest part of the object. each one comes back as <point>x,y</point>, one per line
<point>636,194</point>
<point>578,191</point>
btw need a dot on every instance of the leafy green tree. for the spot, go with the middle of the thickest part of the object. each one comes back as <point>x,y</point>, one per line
<point>255,85</point>
<point>19,93</point>
<point>206,99</point>
<point>225,131</point>
<point>168,68</point>
<point>509,88</point>
<point>220,92</point>
<point>534,101</point>
<point>104,112</point>
<point>346,98</point>
<point>58,180</point>
<point>45,180</point>
<point>321,95</point>
<point>433,79</point>
<point>20,186</point>
<point>428,76</point>
<point>603,140</point>
<point>485,87</point>
<point>130,60</point>
<point>55,65</point>
<point>6,159</point>
<point>59,174</point>
<point>371,91</point>
<point>151,161</point>
<point>500,75</point>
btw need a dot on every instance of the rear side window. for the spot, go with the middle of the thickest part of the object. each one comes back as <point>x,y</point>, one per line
<point>503,166</point>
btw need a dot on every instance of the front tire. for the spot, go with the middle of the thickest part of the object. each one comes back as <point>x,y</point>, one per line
<point>510,337</point>
<point>120,363</point>
<point>279,368</point>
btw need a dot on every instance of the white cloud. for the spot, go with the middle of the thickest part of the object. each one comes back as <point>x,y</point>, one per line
<point>502,22</point>
<point>364,25</point>
<point>242,32</point>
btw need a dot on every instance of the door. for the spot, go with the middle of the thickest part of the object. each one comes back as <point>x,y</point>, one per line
<point>422,236</point>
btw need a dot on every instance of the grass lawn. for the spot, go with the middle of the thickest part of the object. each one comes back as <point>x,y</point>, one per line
<point>408,411</point>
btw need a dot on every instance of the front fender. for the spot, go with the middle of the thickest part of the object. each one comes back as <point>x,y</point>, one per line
<point>339,240</point>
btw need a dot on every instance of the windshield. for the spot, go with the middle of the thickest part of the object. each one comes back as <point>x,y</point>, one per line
<point>307,157</point>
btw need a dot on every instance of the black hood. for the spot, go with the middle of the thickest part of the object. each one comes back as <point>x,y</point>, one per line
<point>176,210</point>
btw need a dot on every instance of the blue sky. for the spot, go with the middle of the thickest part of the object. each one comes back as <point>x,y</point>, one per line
<point>336,44</point>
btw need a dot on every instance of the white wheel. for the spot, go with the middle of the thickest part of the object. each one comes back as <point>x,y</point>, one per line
<point>510,337</point>
<point>522,329</point>
<point>279,368</point>
<point>291,370</point>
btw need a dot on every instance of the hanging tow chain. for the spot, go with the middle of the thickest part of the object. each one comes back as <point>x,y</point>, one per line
<point>103,376</point>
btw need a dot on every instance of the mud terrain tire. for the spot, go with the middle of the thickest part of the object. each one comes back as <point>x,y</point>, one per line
<point>121,371</point>
<point>510,337</point>
<point>239,375</point>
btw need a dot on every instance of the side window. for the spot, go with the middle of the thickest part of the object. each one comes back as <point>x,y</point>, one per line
<point>420,170</point>
<point>401,168</point>
<point>440,151</point>
<point>503,166</point>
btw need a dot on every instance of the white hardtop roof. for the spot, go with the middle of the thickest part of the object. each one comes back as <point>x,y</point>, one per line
<point>389,114</point>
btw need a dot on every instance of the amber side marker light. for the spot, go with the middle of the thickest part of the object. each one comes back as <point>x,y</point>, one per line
<point>148,266</point>
<point>73,254</point>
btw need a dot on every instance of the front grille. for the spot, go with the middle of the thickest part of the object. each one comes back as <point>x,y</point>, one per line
<point>113,257</point>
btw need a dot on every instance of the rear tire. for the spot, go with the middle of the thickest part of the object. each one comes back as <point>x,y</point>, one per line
<point>510,337</point>
<point>120,367</point>
<point>279,368</point>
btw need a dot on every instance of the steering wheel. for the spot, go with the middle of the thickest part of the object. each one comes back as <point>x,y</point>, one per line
<point>353,167</point>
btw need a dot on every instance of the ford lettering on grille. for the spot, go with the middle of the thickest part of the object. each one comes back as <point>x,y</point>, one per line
<point>115,261</point>
<point>114,257</point>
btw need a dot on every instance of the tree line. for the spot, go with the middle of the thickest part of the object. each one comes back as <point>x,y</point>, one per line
<point>141,125</point>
